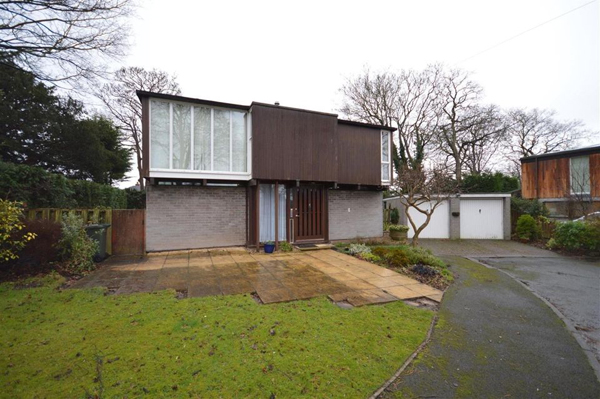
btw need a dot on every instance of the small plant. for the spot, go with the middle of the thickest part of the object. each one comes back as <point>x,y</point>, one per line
<point>285,246</point>
<point>551,244</point>
<point>424,270</point>
<point>395,216</point>
<point>528,228</point>
<point>369,257</point>
<point>577,235</point>
<point>75,247</point>
<point>358,249</point>
<point>399,227</point>
<point>11,224</point>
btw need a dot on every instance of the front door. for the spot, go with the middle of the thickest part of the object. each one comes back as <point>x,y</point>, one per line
<point>308,213</point>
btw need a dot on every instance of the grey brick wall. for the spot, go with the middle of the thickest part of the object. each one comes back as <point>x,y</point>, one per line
<point>194,217</point>
<point>355,214</point>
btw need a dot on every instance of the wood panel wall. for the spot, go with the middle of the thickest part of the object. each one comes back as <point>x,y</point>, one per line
<point>552,180</point>
<point>293,145</point>
<point>359,155</point>
<point>595,175</point>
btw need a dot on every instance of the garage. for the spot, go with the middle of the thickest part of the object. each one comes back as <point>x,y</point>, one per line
<point>462,216</point>
<point>439,225</point>
<point>481,218</point>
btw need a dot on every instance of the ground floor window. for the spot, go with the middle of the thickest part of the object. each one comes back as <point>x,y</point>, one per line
<point>267,212</point>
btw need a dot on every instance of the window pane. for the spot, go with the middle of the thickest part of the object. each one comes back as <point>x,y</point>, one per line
<point>201,138</point>
<point>159,134</point>
<point>221,140</point>
<point>385,146</point>
<point>385,171</point>
<point>267,212</point>
<point>239,141</point>
<point>181,136</point>
<point>580,175</point>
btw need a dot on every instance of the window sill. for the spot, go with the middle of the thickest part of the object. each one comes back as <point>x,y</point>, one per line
<point>194,174</point>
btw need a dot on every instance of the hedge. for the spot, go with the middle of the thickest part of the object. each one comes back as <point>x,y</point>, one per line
<point>41,189</point>
<point>489,183</point>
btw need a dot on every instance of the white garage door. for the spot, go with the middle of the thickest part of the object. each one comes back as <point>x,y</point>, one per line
<point>439,225</point>
<point>481,218</point>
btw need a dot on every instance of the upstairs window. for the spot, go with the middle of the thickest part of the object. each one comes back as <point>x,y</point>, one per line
<point>186,137</point>
<point>580,175</point>
<point>385,156</point>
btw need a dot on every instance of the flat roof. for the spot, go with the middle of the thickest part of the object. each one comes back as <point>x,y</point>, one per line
<point>142,94</point>
<point>559,154</point>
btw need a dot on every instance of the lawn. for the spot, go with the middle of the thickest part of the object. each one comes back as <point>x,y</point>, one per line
<point>83,343</point>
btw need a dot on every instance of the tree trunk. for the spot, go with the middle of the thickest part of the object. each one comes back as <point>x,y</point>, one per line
<point>140,167</point>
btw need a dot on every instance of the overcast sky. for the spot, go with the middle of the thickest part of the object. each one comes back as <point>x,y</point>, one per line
<point>300,53</point>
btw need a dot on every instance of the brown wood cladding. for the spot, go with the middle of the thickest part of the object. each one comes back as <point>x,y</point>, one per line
<point>359,155</point>
<point>553,180</point>
<point>293,145</point>
<point>595,175</point>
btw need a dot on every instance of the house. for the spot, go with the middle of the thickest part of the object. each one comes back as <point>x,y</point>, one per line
<point>223,174</point>
<point>567,182</point>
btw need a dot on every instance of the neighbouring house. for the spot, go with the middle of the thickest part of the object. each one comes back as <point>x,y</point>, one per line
<point>224,174</point>
<point>567,182</point>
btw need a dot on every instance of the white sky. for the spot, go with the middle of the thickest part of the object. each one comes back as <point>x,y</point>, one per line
<point>299,53</point>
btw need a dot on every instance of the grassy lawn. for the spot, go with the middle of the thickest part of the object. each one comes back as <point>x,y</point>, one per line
<point>81,343</point>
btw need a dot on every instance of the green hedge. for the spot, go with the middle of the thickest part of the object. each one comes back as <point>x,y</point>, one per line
<point>489,183</point>
<point>41,189</point>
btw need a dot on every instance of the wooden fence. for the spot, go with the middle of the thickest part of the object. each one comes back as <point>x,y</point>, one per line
<point>125,236</point>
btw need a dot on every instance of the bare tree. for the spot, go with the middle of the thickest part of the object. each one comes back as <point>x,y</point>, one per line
<point>63,40</point>
<point>424,191</point>
<point>464,122</point>
<point>405,100</point>
<point>483,140</point>
<point>533,132</point>
<point>122,103</point>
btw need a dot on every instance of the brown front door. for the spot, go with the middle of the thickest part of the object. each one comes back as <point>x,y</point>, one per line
<point>308,207</point>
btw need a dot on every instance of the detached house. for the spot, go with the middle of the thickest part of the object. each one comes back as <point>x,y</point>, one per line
<point>567,182</point>
<point>222,174</point>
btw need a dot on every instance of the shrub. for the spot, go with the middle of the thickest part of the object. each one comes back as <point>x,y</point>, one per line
<point>527,228</point>
<point>285,246</point>
<point>424,270</point>
<point>395,216</point>
<point>136,199</point>
<point>44,250</point>
<point>399,227</point>
<point>577,235</point>
<point>75,247</point>
<point>489,183</point>
<point>532,207</point>
<point>357,249</point>
<point>421,255</point>
<point>41,189</point>
<point>12,238</point>
<point>370,257</point>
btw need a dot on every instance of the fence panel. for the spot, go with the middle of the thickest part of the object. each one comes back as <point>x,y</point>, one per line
<point>90,216</point>
<point>128,233</point>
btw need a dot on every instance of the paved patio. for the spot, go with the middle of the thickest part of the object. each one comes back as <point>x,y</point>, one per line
<point>274,277</point>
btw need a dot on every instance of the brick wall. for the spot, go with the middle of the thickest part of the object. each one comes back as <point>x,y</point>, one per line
<point>194,217</point>
<point>355,214</point>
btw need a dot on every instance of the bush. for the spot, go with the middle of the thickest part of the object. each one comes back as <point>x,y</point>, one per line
<point>75,247</point>
<point>41,189</point>
<point>398,227</point>
<point>528,228</point>
<point>369,257</point>
<point>533,207</point>
<point>489,183</point>
<point>357,249</point>
<point>44,251</point>
<point>395,216</point>
<point>12,238</point>
<point>421,255</point>
<point>285,246</point>
<point>136,199</point>
<point>577,236</point>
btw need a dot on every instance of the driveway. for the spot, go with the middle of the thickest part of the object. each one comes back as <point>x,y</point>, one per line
<point>570,285</point>
<point>495,339</point>
<point>279,277</point>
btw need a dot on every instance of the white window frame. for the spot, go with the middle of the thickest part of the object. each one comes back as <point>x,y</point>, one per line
<point>192,173</point>
<point>389,161</point>
<point>571,176</point>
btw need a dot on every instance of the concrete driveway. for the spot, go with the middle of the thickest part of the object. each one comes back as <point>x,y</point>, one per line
<point>570,286</point>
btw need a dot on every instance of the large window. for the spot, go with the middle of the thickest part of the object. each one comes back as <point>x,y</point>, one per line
<point>580,175</point>
<point>186,137</point>
<point>385,156</point>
